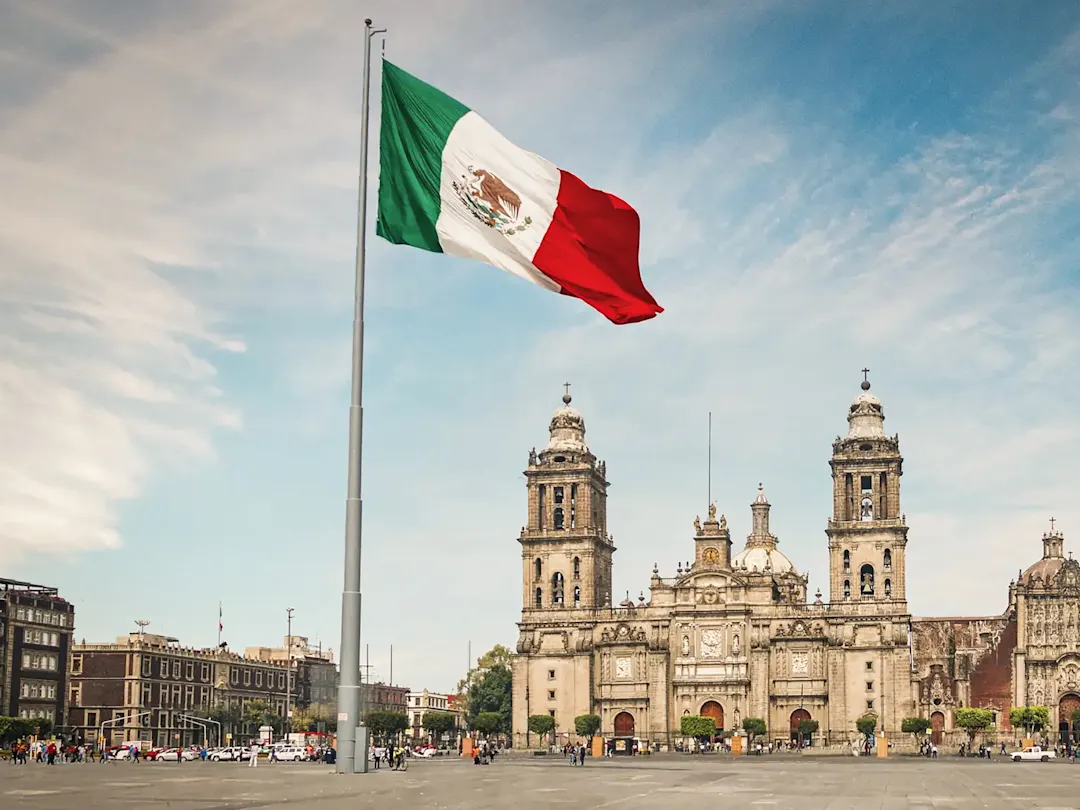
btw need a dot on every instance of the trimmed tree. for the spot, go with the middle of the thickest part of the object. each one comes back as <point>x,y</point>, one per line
<point>1029,718</point>
<point>438,723</point>
<point>387,724</point>
<point>806,729</point>
<point>586,725</point>
<point>488,723</point>
<point>866,726</point>
<point>541,724</point>
<point>754,727</point>
<point>916,726</point>
<point>973,721</point>
<point>696,726</point>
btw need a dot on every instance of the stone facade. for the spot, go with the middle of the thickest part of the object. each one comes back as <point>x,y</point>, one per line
<point>736,636</point>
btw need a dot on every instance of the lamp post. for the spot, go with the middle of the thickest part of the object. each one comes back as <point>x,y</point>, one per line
<point>288,675</point>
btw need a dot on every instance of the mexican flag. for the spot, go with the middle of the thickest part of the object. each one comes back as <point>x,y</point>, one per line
<point>450,183</point>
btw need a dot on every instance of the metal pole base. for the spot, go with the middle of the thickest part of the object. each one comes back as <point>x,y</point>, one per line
<point>363,744</point>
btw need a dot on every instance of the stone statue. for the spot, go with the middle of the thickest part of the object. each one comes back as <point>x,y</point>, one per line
<point>697,524</point>
<point>532,456</point>
<point>686,645</point>
<point>723,522</point>
<point>712,512</point>
<point>735,645</point>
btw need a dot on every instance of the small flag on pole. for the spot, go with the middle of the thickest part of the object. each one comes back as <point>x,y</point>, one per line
<point>450,183</point>
<point>220,626</point>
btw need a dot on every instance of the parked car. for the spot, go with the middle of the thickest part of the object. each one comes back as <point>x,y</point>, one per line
<point>172,754</point>
<point>1032,754</point>
<point>291,753</point>
<point>231,753</point>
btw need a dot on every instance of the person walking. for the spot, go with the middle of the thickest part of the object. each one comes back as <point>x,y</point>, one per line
<point>254,760</point>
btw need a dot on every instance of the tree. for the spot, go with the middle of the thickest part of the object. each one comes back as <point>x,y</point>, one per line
<point>497,656</point>
<point>916,726</point>
<point>438,723</point>
<point>586,725</point>
<point>257,713</point>
<point>488,723</point>
<point>492,692</point>
<point>1029,718</point>
<point>754,727</point>
<point>386,724</point>
<point>541,724</point>
<point>696,726</point>
<point>806,729</point>
<point>866,726</point>
<point>973,721</point>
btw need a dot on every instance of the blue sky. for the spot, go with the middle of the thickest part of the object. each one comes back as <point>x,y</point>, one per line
<point>822,187</point>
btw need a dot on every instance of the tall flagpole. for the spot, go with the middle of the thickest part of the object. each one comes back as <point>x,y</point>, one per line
<point>349,684</point>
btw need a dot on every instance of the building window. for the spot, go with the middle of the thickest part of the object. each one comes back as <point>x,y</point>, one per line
<point>258,678</point>
<point>281,680</point>
<point>557,589</point>
<point>867,483</point>
<point>558,495</point>
<point>869,666</point>
<point>887,562</point>
<point>869,705</point>
<point>573,505</point>
<point>204,673</point>
<point>176,670</point>
<point>76,665</point>
<point>91,718</point>
<point>551,694</point>
<point>847,588</point>
<point>869,686</point>
<point>146,666</point>
<point>120,716</point>
<point>539,567</point>
<point>247,677</point>
<point>888,588</point>
<point>189,670</point>
<point>551,674</point>
<point>577,567</point>
<point>847,561</point>
<point>539,597</point>
<point>577,596</point>
<point>866,581</point>
<point>541,505</point>
<point>559,519</point>
<point>551,712</point>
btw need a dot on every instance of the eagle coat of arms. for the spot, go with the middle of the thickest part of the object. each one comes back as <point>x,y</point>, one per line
<point>491,201</point>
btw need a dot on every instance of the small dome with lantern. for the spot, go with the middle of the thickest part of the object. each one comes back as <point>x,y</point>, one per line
<point>567,429</point>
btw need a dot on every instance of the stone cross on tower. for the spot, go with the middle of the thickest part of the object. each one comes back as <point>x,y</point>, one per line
<point>566,393</point>
<point>1052,522</point>
<point>866,375</point>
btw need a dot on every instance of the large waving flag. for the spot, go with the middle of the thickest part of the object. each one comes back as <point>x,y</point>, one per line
<point>450,183</point>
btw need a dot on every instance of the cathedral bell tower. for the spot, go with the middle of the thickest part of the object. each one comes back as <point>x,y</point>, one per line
<point>565,548</point>
<point>867,532</point>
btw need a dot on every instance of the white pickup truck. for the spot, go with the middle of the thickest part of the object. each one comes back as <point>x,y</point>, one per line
<point>1032,754</point>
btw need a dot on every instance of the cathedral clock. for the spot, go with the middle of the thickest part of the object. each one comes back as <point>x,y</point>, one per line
<point>711,555</point>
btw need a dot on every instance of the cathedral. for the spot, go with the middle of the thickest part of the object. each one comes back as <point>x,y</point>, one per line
<point>735,635</point>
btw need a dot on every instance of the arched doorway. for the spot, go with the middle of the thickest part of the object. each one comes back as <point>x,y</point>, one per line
<point>937,727</point>
<point>624,724</point>
<point>1067,729</point>
<point>716,712</point>
<point>797,717</point>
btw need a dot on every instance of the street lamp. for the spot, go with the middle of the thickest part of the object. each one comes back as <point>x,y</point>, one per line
<point>288,676</point>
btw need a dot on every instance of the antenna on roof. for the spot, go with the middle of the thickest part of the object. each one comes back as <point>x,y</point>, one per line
<point>143,624</point>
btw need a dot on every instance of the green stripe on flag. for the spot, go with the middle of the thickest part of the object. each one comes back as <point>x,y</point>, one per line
<point>416,123</point>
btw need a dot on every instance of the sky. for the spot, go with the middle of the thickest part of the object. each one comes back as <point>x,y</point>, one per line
<point>823,187</point>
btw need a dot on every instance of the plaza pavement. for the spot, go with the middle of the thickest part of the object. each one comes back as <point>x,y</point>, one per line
<point>672,782</point>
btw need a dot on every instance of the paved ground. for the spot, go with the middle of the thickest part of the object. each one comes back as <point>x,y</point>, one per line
<point>671,782</point>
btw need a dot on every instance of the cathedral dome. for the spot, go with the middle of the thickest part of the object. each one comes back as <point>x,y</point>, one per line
<point>763,559</point>
<point>1045,569</point>
<point>567,429</point>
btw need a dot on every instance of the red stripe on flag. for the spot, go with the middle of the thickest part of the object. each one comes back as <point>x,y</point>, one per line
<point>591,251</point>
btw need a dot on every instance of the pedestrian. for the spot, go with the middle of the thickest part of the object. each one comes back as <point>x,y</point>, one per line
<point>581,755</point>
<point>254,763</point>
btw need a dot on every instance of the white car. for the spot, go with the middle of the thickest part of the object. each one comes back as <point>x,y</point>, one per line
<point>290,753</point>
<point>229,754</point>
<point>171,755</point>
<point>1032,754</point>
